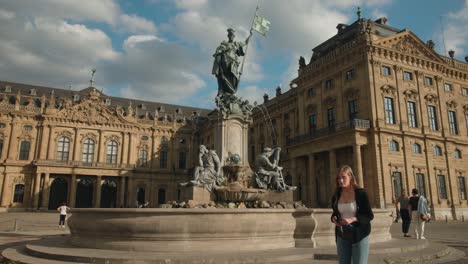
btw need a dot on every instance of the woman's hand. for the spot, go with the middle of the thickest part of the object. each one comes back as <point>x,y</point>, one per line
<point>335,221</point>
<point>347,221</point>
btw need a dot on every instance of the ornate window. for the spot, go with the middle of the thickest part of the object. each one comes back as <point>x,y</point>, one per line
<point>442,187</point>
<point>386,71</point>
<point>394,146</point>
<point>461,187</point>
<point>329,84</point>
<point>453,122</point>
<point>437,151</point>
<point>182,160</point>
<point>25,146</point>
<point>331,117</point>
<point>164,139</point>
<point>1,147</point>
<point>448,87</point>
<point>465,91</point>
<point>457,154</point>
<point>312,122</point>
<point>143,157</point>
<point>407,76</point>
<point>63,148</point>
<point>432,113</point>
<point>88,150</point>
<point>351,74</point>
<point>412,117</point>
<point>416,148</point>
<point>353,109</point>
<point>163,159</point>
<point>112,148</point>
<point>27,128</point>
<point>428,81</point>
<point>389,111</point>
<point>421,183</point>
<point>19,193</point>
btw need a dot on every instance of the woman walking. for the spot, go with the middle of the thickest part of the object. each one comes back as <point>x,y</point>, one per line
<point>351,215</point>
<point>402,203</point>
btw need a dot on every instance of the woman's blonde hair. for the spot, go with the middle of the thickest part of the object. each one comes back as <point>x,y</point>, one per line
<point>346,169</point>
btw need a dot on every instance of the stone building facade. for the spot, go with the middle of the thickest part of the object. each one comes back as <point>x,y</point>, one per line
<point>90,150</point>
<point>383,101</point>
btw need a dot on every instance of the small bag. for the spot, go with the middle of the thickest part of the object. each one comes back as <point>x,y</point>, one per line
<point>348,233</point>
<point>426,217</point>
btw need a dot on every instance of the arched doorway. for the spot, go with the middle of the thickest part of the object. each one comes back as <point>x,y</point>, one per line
<point>58,193</point>
<point>84,193</point>
<point>109,194</point>
<point>141,195</point>
<point>161,196</point>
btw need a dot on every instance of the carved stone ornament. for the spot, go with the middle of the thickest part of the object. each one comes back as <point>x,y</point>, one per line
<point>452,104</point>
<point>311,108</point>
<point>330,101</point>
<point>88,135</point>
<point>25,137</point>
<point>64,133</point>
<point>18,179</point>
<point>407,45</point>
<point>411,94</point>
<point>112,137</point>
<point>388,90</point>
<point>91,111</point>
<point>351,93</point>
<point>431,98</point>
<point>465,107</point>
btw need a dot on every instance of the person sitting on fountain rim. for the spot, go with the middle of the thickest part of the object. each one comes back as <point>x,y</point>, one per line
<point>268,172</point>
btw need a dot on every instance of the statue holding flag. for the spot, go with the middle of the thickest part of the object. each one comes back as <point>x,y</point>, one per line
<point>226,68</point>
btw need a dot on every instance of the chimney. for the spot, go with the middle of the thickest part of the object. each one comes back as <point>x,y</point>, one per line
<point>265,98</point>
<point>382,21</point>
<point>340,27</point>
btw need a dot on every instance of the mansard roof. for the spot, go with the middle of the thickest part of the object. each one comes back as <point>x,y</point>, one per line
<point>12,88</point>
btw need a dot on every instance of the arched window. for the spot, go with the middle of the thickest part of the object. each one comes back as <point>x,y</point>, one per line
<point>88,150</point>
<point>19,193</point>
<point>437,151</point>
<point>394,146</point>
<point>416,148</point>
<point>163,159</point>
<point>457,154</point>
<point>112,152</point>
<point>24,150</point>
<point>63,148</point>
<point>164,139</point>
<point>143,157</point>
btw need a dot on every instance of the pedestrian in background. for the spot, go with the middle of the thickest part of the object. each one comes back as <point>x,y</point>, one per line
<point>351,215</point>
<point>402,203</point>
<point>418,208</point>
<point>63,214</point>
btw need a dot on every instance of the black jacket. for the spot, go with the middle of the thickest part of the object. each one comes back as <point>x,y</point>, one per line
<point>364,214</point>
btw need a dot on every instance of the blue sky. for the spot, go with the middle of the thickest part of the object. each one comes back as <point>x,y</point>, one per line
<point>161,50</point>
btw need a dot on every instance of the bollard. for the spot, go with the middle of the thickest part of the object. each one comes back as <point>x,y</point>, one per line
<point>446,220</point>
<point>15,225</point>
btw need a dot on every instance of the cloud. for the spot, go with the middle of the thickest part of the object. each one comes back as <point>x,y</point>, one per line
<point>131,41</point>
<point>133,23</point>
<point>456,31</point>
<point>6,15</point>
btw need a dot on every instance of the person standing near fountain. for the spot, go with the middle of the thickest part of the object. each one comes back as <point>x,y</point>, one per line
<point>351,215</point>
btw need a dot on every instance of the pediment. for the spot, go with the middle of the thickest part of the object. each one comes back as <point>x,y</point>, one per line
<point>89,111</point>
<point>407,42</point>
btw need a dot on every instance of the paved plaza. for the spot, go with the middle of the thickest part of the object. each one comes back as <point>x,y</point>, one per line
<point>33,226</point>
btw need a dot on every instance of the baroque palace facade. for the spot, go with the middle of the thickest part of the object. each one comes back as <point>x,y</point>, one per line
<point>372,96</point>
<point>383,101</point>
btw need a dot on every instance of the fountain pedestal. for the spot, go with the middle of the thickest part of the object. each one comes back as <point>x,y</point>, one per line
<point>197,193</point>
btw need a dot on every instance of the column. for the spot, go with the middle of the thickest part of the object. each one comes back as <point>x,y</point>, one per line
<point>130,201</point>
<point>358,165</point>
<point>99,147</point>
<point>12,148</point>
<point>37,186</point>
<point>72,190</point>
<point>45,192</point>
<point>122,149</point>
<point>5,191</point>
<point>130,148</point>
<point>50,149</point>
<point>97,192</point>
<point>122,192</point>
<point>75,144</point>
<point>332,162</point>
<point>43,146</point>
<point>312,195</point>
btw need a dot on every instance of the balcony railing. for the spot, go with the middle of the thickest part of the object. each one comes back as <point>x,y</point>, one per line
<point>348,125</point>
<point>74,163</point>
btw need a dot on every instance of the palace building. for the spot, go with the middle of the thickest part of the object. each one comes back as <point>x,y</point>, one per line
<point>375,97</point>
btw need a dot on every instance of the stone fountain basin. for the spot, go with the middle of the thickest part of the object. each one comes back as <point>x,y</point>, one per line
<point>209,230</point>
<point>182,229</point>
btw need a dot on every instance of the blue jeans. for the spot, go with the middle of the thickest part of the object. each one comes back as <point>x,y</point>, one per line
<point>358,252</point>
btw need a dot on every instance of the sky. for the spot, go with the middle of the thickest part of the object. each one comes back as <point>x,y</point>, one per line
<point>162,50</point>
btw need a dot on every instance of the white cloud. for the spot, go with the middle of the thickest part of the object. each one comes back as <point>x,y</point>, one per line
<point>456,32</point>
<point>133,23</point>
<point>131,41</point>
<point>252,93</point>
<point>6,15</point>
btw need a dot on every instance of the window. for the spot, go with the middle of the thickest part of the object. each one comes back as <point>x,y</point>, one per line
<point>465,91</point>
<point>27,128</point>
<point>386,71</point>
<point>143,157</point>
<point>453,122</point>
<point>394,146</point>
<point>19,193</point>
<point>416,148</point>
<point>286,116</point>
<point>442,188</point>
<point>312,123</point>
<point>397,186</point>
<point>24,150</point>
<point>331,113</point>
<point>1,147</point>
<point>457,154</point>
<point>353,109</point>
<point>350,74</point>
<point>144,138</point>
<point>329,84</point>
<point>182,160</point>
<point>63,148</point>
<point>164,140</point>
<point>448,87</point>
<point>76,98</point>
<point>461,187</point>
<point>311,92</point>
<point>107,101</point>
<point>407,76</point>
<point>432,118</point>
<point>437,151</point>
<point>2,125</point>
<point>163,159</point>
<point>111,157</point>
<point>88,151</point>
<point>420,183</point>
<point>389,111</point>
<point>412,118</point>
<point>428,81</point>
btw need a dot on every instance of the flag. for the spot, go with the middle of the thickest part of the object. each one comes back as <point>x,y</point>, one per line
<point>261,25</point>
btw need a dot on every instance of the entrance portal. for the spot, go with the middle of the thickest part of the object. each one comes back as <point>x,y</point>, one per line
<point>84,193</point>
<point>58,193</point>
<point>109,194</point>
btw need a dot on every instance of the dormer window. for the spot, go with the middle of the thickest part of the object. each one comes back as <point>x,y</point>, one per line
<point>107,101</point>
<point>8,89</point>
<point>32,91</point>
<point>76,98</point>
<point>161,109</point>
<point>142,106</point>
<point>179,111</point>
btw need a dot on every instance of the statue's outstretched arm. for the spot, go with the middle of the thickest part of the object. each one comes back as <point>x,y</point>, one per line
<point>217,163</point>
